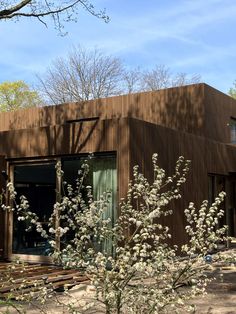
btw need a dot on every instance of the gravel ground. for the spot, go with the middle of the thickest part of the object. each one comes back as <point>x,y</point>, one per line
<point>221,296</point>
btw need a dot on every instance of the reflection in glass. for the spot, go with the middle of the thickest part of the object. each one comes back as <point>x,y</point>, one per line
<point>37,183</point>
<point>102,178</point>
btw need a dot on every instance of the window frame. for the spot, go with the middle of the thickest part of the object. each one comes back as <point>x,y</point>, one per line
<point>11,163</point>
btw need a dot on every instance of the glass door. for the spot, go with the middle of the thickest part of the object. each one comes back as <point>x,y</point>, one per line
<point>37,182</point>
<point>102,178</point>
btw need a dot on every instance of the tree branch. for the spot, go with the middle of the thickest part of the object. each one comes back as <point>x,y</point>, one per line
<point>40,14</point>
<point>10,11</point>
<point>40,10</point>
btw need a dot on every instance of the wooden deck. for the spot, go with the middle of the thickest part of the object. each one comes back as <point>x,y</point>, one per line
<point>20,279</point>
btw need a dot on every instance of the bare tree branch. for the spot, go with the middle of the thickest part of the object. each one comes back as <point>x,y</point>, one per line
<point>8,12</point>
<point>65,11</point>
<point>82,75</point>
<point>131,79</point>
<point>89,74</point>
<point>161,77</point>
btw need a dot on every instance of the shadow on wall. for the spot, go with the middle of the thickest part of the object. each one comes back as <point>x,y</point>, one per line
<point>59,134</point>
<point>176,108</point>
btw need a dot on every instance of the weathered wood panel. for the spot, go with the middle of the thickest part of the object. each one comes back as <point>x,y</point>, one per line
<point>189,121</point>
<point>219,108</point>
<point>170,107</point>
<point>206,157</point>
<point>71,138</point>
<point>198,109</point>
<point>34,277</point>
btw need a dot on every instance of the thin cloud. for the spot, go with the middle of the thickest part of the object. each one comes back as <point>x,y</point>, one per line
<point>184,34</point>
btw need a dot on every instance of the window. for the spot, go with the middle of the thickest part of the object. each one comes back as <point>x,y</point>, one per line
<point>211,189</point>
<point>232,125</point>
<point>216,184</point>
<point>102,178</point>
<point>39,183</point>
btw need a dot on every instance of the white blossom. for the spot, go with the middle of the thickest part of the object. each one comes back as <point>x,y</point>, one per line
<point>144,275</point>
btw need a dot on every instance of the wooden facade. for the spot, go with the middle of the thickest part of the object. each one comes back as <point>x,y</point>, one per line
<point>192,121</point>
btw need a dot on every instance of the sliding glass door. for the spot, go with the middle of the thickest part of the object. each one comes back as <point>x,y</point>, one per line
<point>102,178</point>
<point>37,182</point>
<point>40,184</point>
<point>105,180</point>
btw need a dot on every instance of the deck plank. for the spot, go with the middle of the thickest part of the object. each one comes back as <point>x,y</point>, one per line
<point>31,277</point>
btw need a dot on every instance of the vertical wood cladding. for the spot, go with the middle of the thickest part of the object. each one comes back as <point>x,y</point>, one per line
<point>189,121</point>
<point>178,108</point>
<point>198,109</point>
<point>206,157</point>
<point>71,138</point>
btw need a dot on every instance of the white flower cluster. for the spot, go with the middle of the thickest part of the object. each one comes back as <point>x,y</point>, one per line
<point>142,273</point>
<point>203,227</point>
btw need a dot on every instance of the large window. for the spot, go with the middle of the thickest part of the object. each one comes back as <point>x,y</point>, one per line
<point>217,184</point>
<point>39,183</point>
<point>102,178</point>
<point>232,125</point>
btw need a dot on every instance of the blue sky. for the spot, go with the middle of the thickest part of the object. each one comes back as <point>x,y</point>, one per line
<point>192,36</point>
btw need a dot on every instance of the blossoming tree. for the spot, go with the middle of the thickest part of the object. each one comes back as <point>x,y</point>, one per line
<point>142,273</point>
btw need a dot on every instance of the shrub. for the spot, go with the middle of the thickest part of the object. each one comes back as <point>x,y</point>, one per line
<point>144,274</point>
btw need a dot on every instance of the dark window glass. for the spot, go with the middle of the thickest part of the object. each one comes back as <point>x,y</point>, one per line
<point>37,183</point>
<point>233,130</point>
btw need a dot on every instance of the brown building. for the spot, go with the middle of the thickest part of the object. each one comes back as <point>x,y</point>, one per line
<point>195,121</point>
